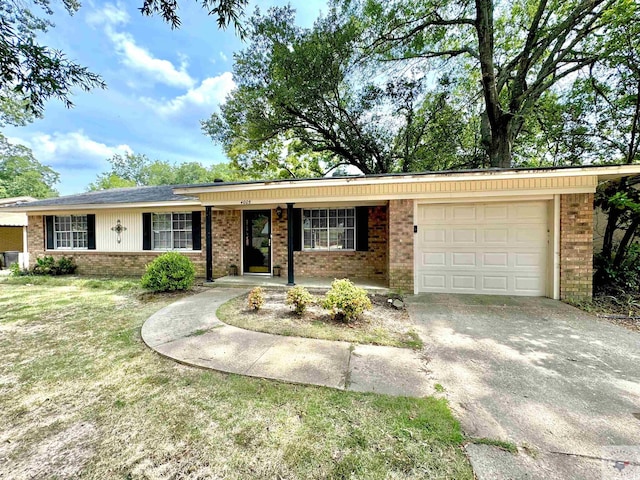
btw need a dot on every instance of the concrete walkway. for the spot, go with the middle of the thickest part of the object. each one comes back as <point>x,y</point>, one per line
<point>189,332</point>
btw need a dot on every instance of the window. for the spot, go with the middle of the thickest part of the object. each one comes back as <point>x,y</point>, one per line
<point>172,231</point>
<point>329,229</point>
<point>70,232</point>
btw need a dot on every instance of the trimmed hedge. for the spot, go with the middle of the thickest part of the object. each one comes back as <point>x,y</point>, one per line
<point>169,272</point>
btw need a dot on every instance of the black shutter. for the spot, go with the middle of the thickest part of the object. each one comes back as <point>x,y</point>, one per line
<point>48,220</point>
<point>146,231</point>
<point>362,229</point>
<point>91,231</point>
<point>196,230</point>
<point>297,229</point>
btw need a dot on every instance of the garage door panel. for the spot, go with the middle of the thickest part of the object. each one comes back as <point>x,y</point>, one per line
<point>463,259</point>
<point>464,213</point>
<point>497,248</point>
<point>495,283</point>
<point>463,236</point>
<point>463,282</point>
<point>433,236</point>
<point>494,259</point>
<point>434,259</point>
<point>432,282</point>
<point>496,212</point>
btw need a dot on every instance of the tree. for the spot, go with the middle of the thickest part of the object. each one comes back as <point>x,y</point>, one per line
<point>613,92</point>
<point>22,175</point>
<point>31,73</point>
<point>305,104</point>
<point>131,170</point>
<point>518,50</point>
<point>227,11</point>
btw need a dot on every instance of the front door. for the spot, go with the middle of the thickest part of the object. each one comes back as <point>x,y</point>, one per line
<point>257,241</point>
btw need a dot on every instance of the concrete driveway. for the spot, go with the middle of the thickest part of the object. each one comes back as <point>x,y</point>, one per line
<point>562,385</point>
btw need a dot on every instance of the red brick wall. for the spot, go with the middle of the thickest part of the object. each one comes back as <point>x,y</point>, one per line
<point>92,262</point>
<point>227,241</point>
<point>371,264</point>
<point>576,246</point>
<point>401,245</point>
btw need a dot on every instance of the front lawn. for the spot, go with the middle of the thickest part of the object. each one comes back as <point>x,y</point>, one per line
<point>382,325</point>
<point>81,396</point>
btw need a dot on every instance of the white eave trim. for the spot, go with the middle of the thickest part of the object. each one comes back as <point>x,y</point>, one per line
<point>107,206</point>
<point>600,172</point>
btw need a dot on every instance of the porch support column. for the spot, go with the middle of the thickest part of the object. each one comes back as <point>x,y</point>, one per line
<point>290,237</point>
<point>208,243</point>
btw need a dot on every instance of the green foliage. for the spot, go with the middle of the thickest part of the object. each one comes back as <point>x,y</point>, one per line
<point>22,175</point>
<point>299,298</point>
<point>615,277</point>
<point>130,170</point>
<point>169,272</point>
<point>31,73</point>
<point>307,103</point>
<point>346,301</point>
<point>16,271</point>
<point>255,300</point>
<point>48,265</point>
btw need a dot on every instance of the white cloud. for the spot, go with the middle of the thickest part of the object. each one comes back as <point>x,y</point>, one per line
<point>206,97</point>
<point>223,57</point>
<point>110,14</point>
<point>138,58</point>
<point>71,149</point>
<point>135,56</point>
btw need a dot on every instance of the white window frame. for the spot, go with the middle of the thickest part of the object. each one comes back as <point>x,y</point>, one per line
<point>73,233</point>
<point>328,248</point>
<point>173,231</point>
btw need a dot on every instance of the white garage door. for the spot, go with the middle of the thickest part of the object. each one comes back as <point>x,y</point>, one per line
<point>487,248</point>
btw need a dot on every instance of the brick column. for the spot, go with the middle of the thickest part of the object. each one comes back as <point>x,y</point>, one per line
<point>576,246</point>
<point>227,241</point>
<point>400,245</point>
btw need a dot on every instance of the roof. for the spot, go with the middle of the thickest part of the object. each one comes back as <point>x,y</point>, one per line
<point>606,170</point>
<point>129,195</point>
<point>13,219</point>
<point>191,195</point>
<point>6,202</point>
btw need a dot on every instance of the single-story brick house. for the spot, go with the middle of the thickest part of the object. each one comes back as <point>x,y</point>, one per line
<point>503,231</point>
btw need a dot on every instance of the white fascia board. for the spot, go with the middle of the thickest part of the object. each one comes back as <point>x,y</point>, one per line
<point>600,172</point>
<point>106,206</point>
<point>380,199</point>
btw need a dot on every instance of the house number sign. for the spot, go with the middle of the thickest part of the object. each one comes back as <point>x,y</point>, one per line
<point>245,202</point>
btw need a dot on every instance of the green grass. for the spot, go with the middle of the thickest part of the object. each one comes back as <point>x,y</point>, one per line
<point>81,396</point>
<point>504,445</point>
<point>234,312</point>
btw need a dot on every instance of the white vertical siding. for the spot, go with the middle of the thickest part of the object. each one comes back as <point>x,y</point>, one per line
<point>107,239</point>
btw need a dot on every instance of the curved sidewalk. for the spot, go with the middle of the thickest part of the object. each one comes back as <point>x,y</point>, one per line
<point>189,332</point>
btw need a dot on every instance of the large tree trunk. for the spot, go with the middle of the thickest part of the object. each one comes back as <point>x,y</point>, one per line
<point>500,149</point>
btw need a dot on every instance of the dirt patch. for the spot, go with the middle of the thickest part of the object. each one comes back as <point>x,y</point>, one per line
<point>62,455</point>
<point>622,310</point>
<point>384,324</point>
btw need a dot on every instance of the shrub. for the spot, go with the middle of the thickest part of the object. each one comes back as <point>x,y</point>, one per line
<point>168,272</point>
<point>346,301</point>
<point>16,271</point>
<point>66,266</point>
<point>45,266</point>
<point>48,265</point>
<point>299,297</point>
<point>611,278</point>
<point>256,298</point>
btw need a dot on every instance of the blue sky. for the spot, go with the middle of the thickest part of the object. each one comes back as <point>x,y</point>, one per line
<point>161,83</point>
